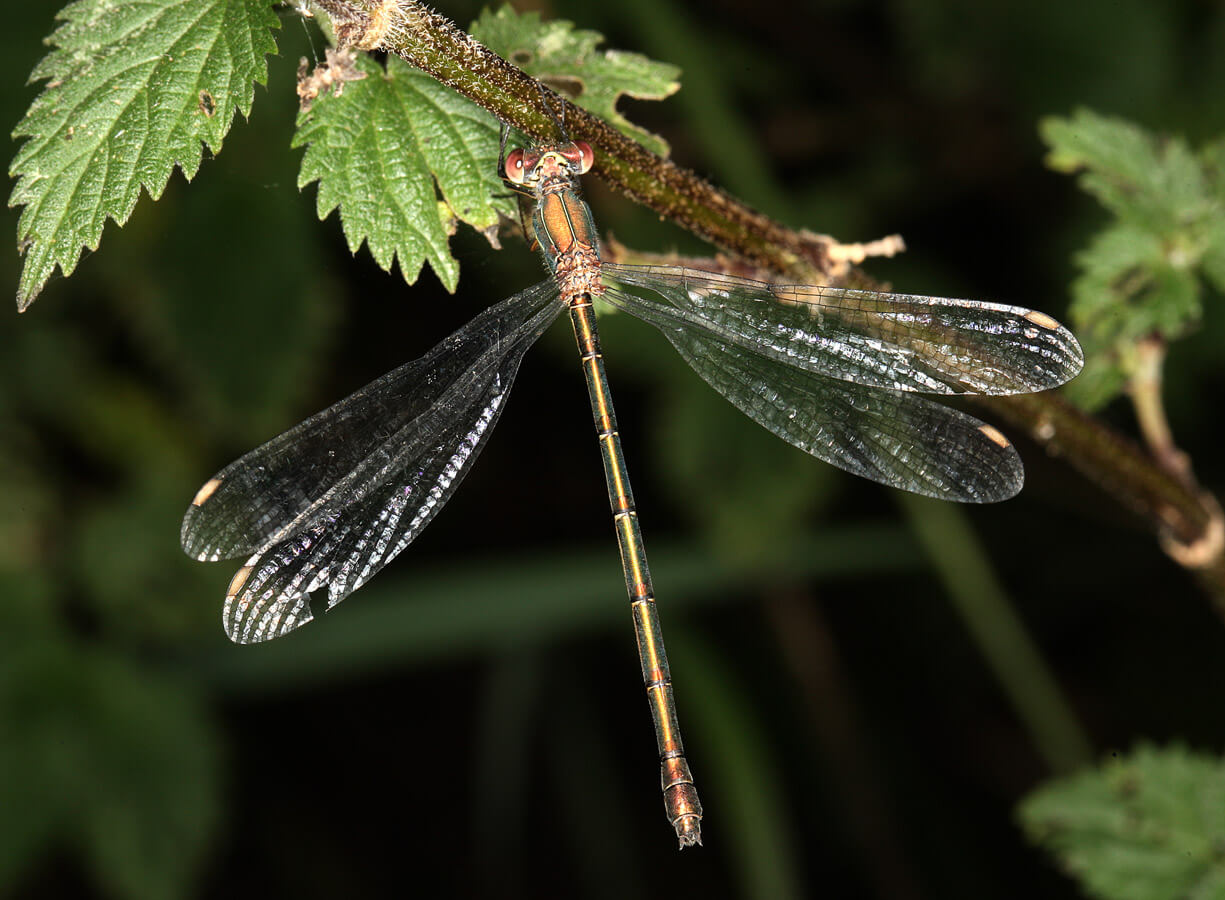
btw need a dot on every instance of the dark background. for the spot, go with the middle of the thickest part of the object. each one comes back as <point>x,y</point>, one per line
<point>473,722</point>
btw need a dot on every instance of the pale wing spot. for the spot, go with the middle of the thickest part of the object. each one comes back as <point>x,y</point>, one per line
<point>210,487</point>
<point>1042,320</point>
<point>236,583</point>
<point>994,435</point>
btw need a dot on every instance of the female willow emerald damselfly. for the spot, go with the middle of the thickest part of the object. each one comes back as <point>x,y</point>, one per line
<point>835,372</point>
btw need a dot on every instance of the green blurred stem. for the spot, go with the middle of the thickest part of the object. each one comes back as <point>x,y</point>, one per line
<point>525,601</point>
<point>739,768</point>
<point>945,533</point>
<point>507,718</point>
<point>811,655</point>
<point>1144,387</point>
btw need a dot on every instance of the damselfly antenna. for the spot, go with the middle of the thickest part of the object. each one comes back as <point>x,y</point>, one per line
<point>558,120</point>
<point>502,149</point>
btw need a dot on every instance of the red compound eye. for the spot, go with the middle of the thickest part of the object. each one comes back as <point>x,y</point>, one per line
<point>514,167</point>
<point>586,157</point>
<point>579,154</point>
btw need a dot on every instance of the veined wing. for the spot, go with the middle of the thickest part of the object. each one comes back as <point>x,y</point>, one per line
<point>902,342</point>
<point>332,500</point>
<point>894,438</point>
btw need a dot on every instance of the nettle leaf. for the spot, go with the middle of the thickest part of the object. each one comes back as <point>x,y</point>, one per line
<point>378,150</point>
<point>1154,182</point>
<point>386,148</point>
<point>134,88</point>
<point>1128,290</point>
<point>1141,276</point>
<point>1149,826</point>
<point>1213,156</point>
<point>567,59</point>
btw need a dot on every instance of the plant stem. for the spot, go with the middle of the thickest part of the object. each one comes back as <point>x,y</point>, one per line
<point>999,632</point>
<point>1189,524</point>
<point>1144,386</point>
<point>810,654</point>
<point>436,46</point>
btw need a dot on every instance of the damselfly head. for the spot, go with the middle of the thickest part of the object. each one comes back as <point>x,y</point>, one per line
<point>529,165</point>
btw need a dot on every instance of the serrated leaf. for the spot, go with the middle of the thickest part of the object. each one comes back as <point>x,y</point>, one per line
<point>379,149</point>
<point>1140,277</point>
<point>1128,290</point>
<point>1149,826</point>
<point>1213,156</point>
<point>135,88</point>
<point>1114,264</point>
<point>1214,257</point>
<point>567,59</point>
<point>1152,182</point>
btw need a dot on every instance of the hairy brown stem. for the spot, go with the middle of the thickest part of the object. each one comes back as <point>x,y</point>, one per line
<point>1188,522</point>
<point>436,46</point>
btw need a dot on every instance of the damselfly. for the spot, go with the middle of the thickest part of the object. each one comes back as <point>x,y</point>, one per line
<point>835,372</point>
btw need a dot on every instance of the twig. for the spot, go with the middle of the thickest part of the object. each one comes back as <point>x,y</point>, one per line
<point>1144,387</point>
<point>436,46</point>
<point>1188,522</point>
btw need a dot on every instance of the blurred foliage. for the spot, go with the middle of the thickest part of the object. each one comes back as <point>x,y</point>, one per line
<point>142,755</point>
<point>122,770</point>
<point>1142,275</point>
<point>1149,825</point>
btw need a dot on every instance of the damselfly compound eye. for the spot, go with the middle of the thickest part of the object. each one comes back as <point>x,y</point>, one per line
<point>586,156</point>
<point>514,167</point>
<point>579,155</point>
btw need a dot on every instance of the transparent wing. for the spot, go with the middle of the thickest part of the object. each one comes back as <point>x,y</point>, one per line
<point>890,437</point>
<point>332,500</point>
<point>902,342</point>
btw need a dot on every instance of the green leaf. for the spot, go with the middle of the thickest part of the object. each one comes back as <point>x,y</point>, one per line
<point>1101,380</point>
<point>1127,291</point>
<point>135,88</point>
<point>379,149</point>
<point>567,59</point>
<point>1149,181</point>
<point>1148,826</point>
<point>404,158</point>
<point>1213,156</point>
<point>1141,276</point>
